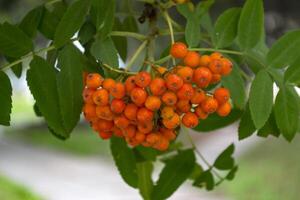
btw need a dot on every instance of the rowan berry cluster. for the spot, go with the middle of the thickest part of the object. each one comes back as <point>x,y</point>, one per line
<point>149,110</point>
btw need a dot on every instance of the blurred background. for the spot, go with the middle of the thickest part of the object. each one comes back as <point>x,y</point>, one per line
<point>34,165</point>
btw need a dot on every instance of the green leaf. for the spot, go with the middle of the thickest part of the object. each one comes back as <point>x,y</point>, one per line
<point>70,85</point>
<point>120,42</point>
<point>5,99</point>
<point>246,126</point>
<point>225,160</point>
<point>124,160</point>
<point>37,110</point>
<point>287,112</point>
<point>51,56</point>
<point>270,128</point>
<point>226,27</point>
<point>285,51</point>
<point>41,79</point>
<point>261,98</point>
<point>206,180</point>
<point>105,51</point>
<point>31,21</point>
<point>192,32</point>
<point>230,176</point>
<point>292,74</point>
<point>71,22</point>
<point>197,171</point>
<point>145,183</point>
<point>184,10</point>
<point>236,86</point>
<point>86,32</point>
<point>145,154</point>
<point>214,121</point>
<point>175,172</point>
<point>130,24</point>
<point>103,15</point>
<point>206,24</point>
<point>17,69</point>
<point>13,41</point>
<point>203,7</point>
<point>251,24</point>
<point>50,20</point>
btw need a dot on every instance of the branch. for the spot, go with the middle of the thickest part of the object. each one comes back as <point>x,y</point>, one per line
<point>129,34</point>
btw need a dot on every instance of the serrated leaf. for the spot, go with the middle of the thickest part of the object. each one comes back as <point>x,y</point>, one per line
<point>214,121</point>
<point>287,112</point>
<point>230,176</point>
<point>37,110</point>
<point>261,98</point>
<point>251,24</point>
<point>206,180</point>
<point>51,19</point>
<point>103,15</point>
<point>192,32</point>
<point>145,183</point>
<point>41,79</point>
<point>71,22</point>
<point>105,51</point>
<point>13,41</point>
<point>31,21</point>
<point>285,51</point>
<point>246,126</point>
<point>174,174</point>
<point>87,32</point>
<point>225,160</point>
<point>70,85</point>
<point>124,160</point>
<point>270,128</point>
<point>236,86</point>
<point>226,27</point>
<point>5,99</point>
<point>292,74</point>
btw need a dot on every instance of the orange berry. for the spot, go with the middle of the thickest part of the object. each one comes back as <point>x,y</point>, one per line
<point>183,106</point>
<point>89,111</point>
<point>209,105</point>
<point>105,135</point>
<point>143,79</point>
<point>138,96</point>
<point>117,106</point>
<point>224,109</point>
<point>174,82</point>
<point>216,56</point>
<point>129,131</point>
<point>169,98</point>
<point>222,95</point>
<point>202,77</point>
<point>144,115</point>
<point>199,96</point>
<point>117,132</point>
<point>105,125</point>
<point>227,66</point>
<point>118,91</point>
<point>145,127</point>
<point>152,138</point>
<point>94,80</point>
<point>130,84</point>
<point>167,112</point>
<point>153,103</point>
<point>131,111</point>
<point>168,133</point>
<point>121,122</point>
<point>140,137</point>
<point>192,59</point>
<point>173,122</point>
<point>101,97</point>
<point>108,84</point>
<point>216,66</point>
<point>104,112</point>
<point>158,86</point>
<point>186,92</point>
<point>178,50</point>
<point>216,78</point>
<point>88,95</point>
<point>186,73</point>
<point>200,113</point>
<point>190,120</point>
<point>205,61</point>
<point>163,144</point>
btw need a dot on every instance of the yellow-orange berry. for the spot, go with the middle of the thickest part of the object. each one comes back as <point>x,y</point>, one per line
<point>104,112</point>
<point>178,50</point>
<point>190,120</point>
<point>118,91</point>
<point>200,113</point>
<point>101,97</point>
<point>169,98</point>
<point>130,84</point>
<point>145,127</point>
<point>158,86</point>
<point>199,96</point>
<point>186,92</point>
<point>138,96</point>
<point>202,77</point>
<point>143,79</point>
<point>222,95</point>
<point>173,122</point>
<point>209,105</point>
<point>121,122</point>
<point>108,84</point>
<point>224,109</point>
<point>131,111</point>
<point>192,59</point>
<point>153,103</point>
<point>117,106</point>
<point>186,73</point>
<point>216,66</point>
<point>94,80</point>
<point>174,82</point>
<point>205,61</point>
<point>144,115</point>
<point>88,95</point>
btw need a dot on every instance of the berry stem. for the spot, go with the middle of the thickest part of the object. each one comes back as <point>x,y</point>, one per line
<point>52,2</point>
<point>218,50</point>
<point>110,68</point>
<point>168,19</point>
<point>129,34</point>
<point>136,55</point>
<point>162,60</point>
